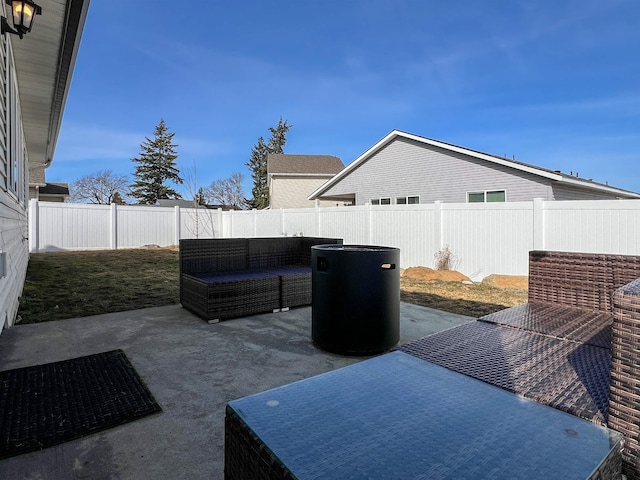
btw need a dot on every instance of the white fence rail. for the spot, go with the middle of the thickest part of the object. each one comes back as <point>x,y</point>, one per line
<point>485,238</point>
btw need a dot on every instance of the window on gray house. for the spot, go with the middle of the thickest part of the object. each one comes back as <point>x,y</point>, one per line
<point>385,201</point>
<point>476,197</point>
<point>412,200</point>
<point>487,196</point>
<point>375,201</point>
<point>496,196</point>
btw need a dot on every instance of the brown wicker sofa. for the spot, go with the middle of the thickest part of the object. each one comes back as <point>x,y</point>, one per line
<point>574,346</point>
<point>223,278</point>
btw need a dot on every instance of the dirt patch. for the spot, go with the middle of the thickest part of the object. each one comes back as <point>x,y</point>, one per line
<point>507,281</point>
<point>427,274</point>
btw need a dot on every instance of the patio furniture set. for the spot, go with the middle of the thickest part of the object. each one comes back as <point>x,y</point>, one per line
<point>574,346</point>
<point>431,408</point>
<point>232,277</point>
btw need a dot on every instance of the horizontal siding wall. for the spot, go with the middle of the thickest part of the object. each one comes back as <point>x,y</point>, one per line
<point>13,243</point>
<point>409,168</point>
<point>486,239</point>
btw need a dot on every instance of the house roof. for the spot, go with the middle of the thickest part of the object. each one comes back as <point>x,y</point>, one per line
<point>176,202</point>
<point>282,163</point>
<point>555,175</point>
<point>54,189</point>
<point>44,60</point>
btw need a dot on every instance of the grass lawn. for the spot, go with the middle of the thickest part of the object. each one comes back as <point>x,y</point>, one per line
<point>77,284</point>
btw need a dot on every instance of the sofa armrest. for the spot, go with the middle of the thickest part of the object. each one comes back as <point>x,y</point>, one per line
<point>624,391</point>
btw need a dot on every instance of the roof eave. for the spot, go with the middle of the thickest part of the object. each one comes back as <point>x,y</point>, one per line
<point>558,177</point>
<point>597,186</point>
<point>353,165</point>
<point>44,62</point>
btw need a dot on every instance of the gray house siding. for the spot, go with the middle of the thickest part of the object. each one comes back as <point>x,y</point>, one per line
<point>15,248</point>
<point>13,192</point>
<point>565,192</point>
<point>405,167</point>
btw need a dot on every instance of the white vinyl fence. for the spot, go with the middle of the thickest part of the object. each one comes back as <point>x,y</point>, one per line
<point>485,238</point>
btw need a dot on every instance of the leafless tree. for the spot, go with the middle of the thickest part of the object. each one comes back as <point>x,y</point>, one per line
<point>202,220</point>
<point>227,191</point>
<point>102,188</point>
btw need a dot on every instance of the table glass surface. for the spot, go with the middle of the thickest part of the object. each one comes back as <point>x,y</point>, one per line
<point>397,416</point>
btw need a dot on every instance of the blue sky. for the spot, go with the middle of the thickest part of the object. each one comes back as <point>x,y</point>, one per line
<point>555,83</point>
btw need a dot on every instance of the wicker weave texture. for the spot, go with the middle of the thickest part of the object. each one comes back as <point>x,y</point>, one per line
<point>580,325</point>
<point>577,280</point>
<point>229,278</point>
<point>566,375</point>
<point>581,280</point>
<point>205,255</point>
<point>593,299</point>
<point>273,252</point>
<point>232,298</point>
<point>624,401</point>
<point>246,456</point>
<point>611,467</point>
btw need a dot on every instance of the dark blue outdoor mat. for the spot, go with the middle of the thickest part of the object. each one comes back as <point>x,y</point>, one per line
<point>49,404</point>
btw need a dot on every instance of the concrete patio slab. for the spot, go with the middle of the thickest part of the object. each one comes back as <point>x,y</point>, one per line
<point>193,369</point>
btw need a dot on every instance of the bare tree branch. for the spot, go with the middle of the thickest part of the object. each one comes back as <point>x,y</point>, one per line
<point>101,188</point>
<point>228,191</point>
<point>202,221</point>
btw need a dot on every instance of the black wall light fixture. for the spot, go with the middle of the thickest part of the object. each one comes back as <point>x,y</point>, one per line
<point>23,13</point>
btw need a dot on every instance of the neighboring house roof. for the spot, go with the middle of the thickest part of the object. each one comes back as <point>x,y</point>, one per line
<point>59,189</point>
<point>176,202</point>
<point>283,163</point>
<point>554,175</point>
<point>179,202</point>
<point>44,60</point>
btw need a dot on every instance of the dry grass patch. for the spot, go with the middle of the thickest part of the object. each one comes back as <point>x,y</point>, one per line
<point>473,300</point>
<point>78,284</point>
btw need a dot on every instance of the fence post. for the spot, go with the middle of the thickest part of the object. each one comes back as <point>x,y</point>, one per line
<point>34,226</point>
<point>437,224</point>
<point>176,210</point>
<point>282,223</point>
<point>538,224</point>
<point>217,229</point>
<point>113,227</point>
<point>367,223</point>
<point>318,234</point>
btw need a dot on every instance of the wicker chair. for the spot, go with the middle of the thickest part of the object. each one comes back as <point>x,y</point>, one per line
<point>574,346</point>
<point>232,277</point>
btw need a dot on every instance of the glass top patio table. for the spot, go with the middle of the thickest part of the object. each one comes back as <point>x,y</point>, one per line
<point>398,416</point>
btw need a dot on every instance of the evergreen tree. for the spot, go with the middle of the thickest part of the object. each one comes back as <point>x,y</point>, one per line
<point>156,166</point>
<point>200,198</point>
<point>258,163</point>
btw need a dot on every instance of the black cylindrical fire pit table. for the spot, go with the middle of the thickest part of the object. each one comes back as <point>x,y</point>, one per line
<point>356,298</point>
